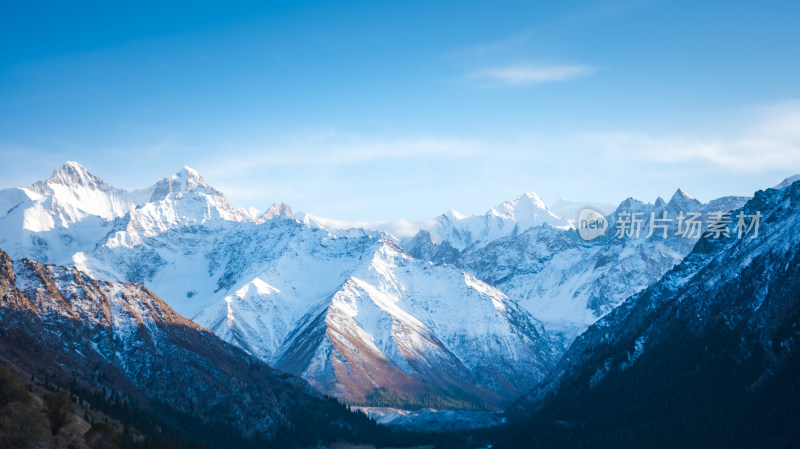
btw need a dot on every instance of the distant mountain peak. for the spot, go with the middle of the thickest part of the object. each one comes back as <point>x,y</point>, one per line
<point>74,165</point>
<point>190,176</point>
<point>277,209</point>
<point>680,193</point>
<point>71,175</point>
<point>188,169</point>
<point>531,198</point>
<point>683,200</point>
<point>454,214</point>
<point>630,203</point>
<point>523,206</point>
<point>184,180</point>
<point>529,195</point>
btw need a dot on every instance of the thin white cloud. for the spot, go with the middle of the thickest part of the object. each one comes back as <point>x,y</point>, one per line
<point>768,139</point>
<point>336,149</point>
<point>528,74</point>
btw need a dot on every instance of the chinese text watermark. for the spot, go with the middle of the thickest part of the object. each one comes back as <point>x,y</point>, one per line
<point>718,224</point>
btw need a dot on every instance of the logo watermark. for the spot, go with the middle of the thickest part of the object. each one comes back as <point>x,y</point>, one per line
<point>690,225</point>
<point>591,224</point>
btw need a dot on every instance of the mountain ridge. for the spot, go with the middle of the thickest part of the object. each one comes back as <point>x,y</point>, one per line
<point>124,341</point>
<point>260,283</point>
<point>720,330</point>
<point>277,282</point>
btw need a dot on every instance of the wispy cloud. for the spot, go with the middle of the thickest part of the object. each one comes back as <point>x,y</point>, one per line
<point>530,74</point>
<point>334,173</point>
<point>338,149</point>
<point>767,139</point>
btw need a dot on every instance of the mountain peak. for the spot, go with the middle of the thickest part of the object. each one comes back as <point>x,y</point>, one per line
<point>525,205</point>
<point>189,171</point>
<point>683,200</point>
<point>529,195</point>
<point>533,198</point>
<point>277,209</point>
<point>184,180</point>
<point>681,194</point>
<point>191,177</point>
<point>454,215</point>
<point>71,175</point>
<point>73,164</point>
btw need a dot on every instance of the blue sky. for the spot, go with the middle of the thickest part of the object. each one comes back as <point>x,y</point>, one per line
<point>383,110</point>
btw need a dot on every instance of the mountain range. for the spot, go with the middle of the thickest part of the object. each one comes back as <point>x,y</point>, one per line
<point>453,312</point>
<point>353,314</point>
<point>120,349</point>
<point>705,357</point>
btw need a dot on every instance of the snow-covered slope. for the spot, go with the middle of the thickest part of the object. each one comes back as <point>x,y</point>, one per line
<point>708,355</point>
<point>120,343</point>
<point>401,321</point>
<point>569,283</point>
<point>354,316</point>
<point>347,308</point>
<point>397,229</point>
<point>352,313</point>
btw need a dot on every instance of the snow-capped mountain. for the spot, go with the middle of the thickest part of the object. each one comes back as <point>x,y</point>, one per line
<point>396,228</point>
<point>353,314</point>
<point>178,201</point>
<point>74,211</point>
<point>509,218</point>
<point>452,315</point>
<point>461,231</point>
<point>47,210</point>
<point>567,282</point>
<point>431,328</point>
<point>706,355</point>
<point>118,343</point>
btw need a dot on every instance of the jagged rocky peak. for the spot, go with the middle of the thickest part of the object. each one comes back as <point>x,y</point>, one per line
<point>71,175</point>
<point>680,193</point>
<point>423,237</point>
<point>683,200</point>
<point>278,209</point>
